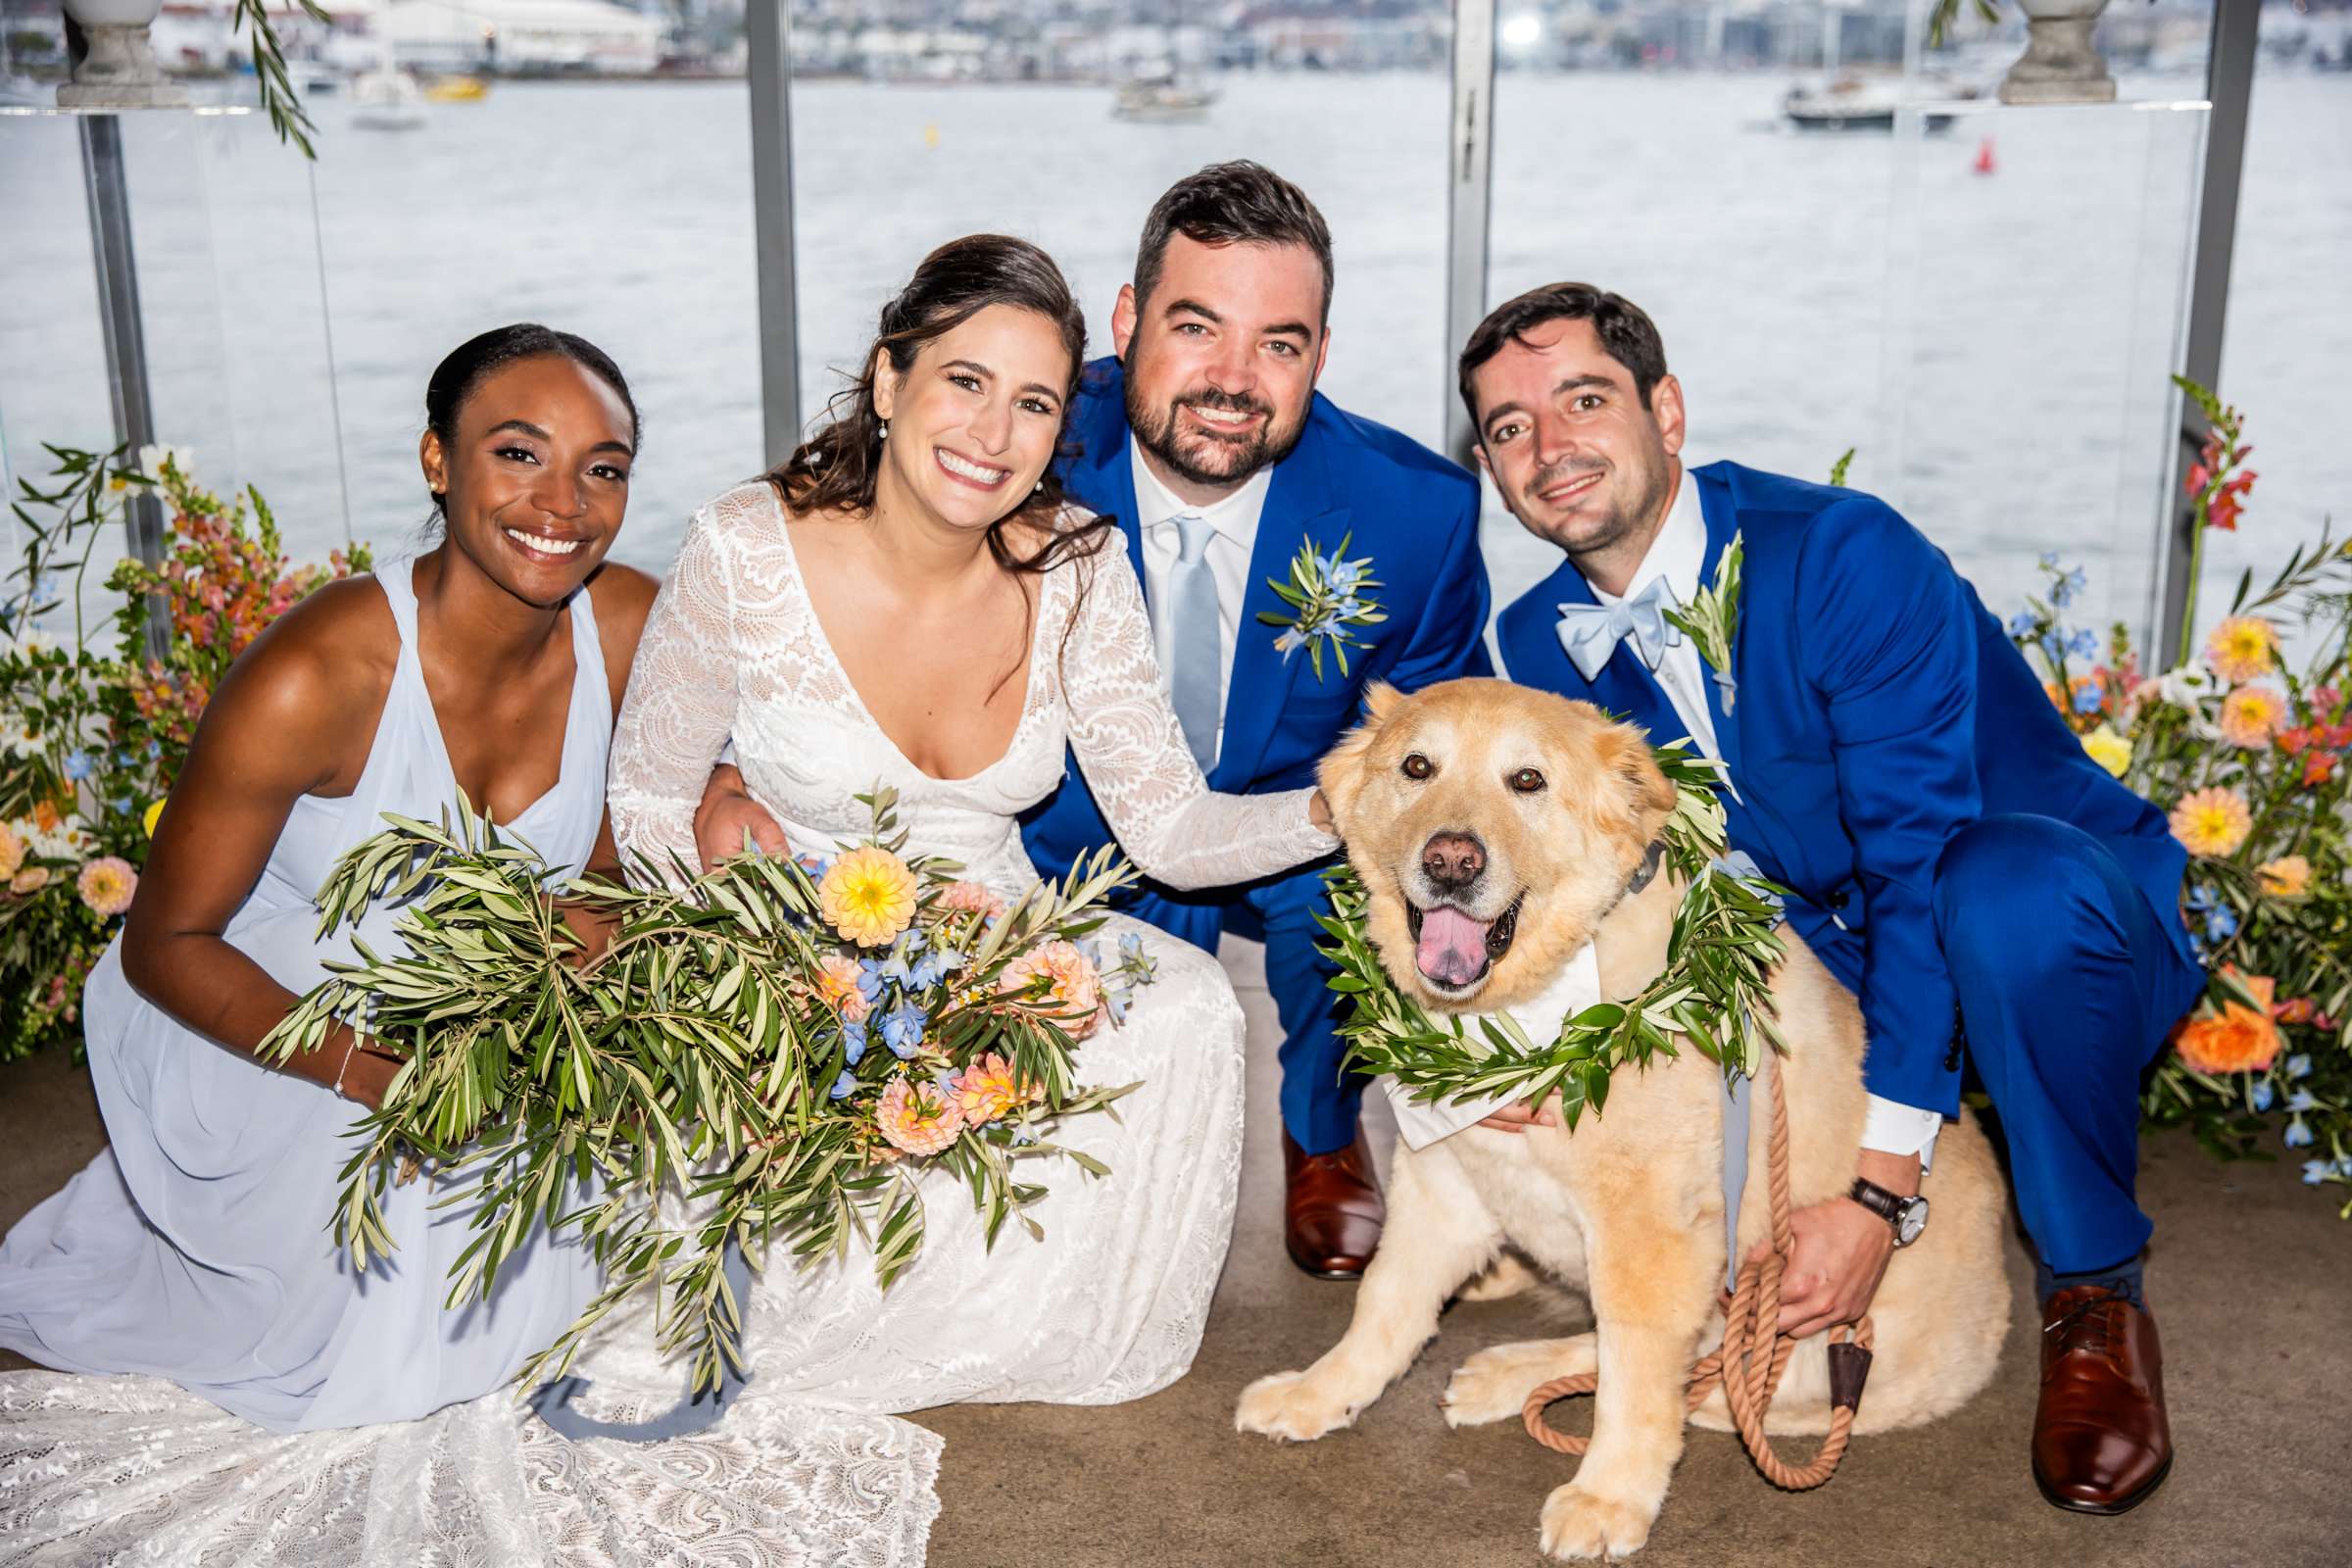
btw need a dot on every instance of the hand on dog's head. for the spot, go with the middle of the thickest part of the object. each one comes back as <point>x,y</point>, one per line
<point>1494,828</point>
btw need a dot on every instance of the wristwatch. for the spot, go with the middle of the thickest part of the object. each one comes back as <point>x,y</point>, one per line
<point>1908,1215</point>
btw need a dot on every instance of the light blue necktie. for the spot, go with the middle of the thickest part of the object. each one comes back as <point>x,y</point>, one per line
<point>1591,632</point>
<point>1192,684</point>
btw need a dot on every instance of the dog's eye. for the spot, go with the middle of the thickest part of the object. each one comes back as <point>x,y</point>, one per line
<point>1418,766</point>
<point>1526,781</point>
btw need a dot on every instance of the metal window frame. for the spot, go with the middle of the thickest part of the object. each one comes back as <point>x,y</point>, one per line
<point>767,39</point>
<point>2230,88</point>
<point>1470,192</point>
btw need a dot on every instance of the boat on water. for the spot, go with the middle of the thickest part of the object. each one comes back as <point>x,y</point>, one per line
<point>387,98</point>
<point>457,90</point>
<point>1850,103</point>
<point>1162,97</point>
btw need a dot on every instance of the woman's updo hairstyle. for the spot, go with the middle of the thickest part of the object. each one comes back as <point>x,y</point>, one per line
<point>836,467</point>
<point>468,365</point>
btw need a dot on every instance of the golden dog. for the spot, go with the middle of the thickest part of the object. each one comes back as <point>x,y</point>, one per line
<point>1497,829</point>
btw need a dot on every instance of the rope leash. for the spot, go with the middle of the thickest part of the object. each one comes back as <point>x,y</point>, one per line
<point>1754,1353</point>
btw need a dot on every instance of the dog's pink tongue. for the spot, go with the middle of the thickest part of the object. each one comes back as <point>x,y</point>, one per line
<point>1453,946</point>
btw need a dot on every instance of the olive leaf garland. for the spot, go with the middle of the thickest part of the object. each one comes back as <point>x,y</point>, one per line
<point>692,1059</point>
<point>1712,989</point>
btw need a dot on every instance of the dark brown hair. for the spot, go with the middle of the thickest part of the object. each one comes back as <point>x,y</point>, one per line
<point>1241,203</point>
<point>836,468</point>
<point>1625,330</point>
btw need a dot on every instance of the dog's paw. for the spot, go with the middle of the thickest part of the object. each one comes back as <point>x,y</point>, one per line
<point>1290,1406</point>
<point>1582,1523</point>
<point>1492,1385</point>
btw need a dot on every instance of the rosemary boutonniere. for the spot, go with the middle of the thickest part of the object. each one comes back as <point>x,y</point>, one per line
<point>1328,596</point>
<point>1712,620</point>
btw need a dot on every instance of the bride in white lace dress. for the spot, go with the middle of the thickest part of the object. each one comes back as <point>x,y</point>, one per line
<point>875,606</point>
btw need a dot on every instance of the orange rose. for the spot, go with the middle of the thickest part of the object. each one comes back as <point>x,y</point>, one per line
<point>2240,1040</point>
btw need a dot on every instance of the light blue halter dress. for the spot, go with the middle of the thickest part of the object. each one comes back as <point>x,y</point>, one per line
<point>198,1246</point>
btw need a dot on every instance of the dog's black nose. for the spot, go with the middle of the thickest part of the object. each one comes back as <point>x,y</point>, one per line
<point>1453,860</point>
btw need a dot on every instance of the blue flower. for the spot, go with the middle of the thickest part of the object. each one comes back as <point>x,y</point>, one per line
<point>852,1041</point>
<point>1118,1002</point>
<point>2200,899</point>
<point>2221,923</point>
<point>1131,946</point>
<point>903,1029</point>
<point>2022,626</point>
<point>155,749</point>
<point>2049,561</point>
<point>2301,1100</point>
<point>2298,1066</point>
<point>77,766</point>
<point>2087,699</point>
<point>814,865</point>
<point>122,806</point>
<point>2083,644</point>
<point>869,980</point>
<point>844,1085</point>
<point>2298,1135</point>
<point>2316,1171</point>
<point>1022,1135</point>
<point>2260,1093</point>
<point>935,966</point>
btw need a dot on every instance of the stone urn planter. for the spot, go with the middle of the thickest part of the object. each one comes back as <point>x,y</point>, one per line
<point>119,72</point>
<point>2060,65</point>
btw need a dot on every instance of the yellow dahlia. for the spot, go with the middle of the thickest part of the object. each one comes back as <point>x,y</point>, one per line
<point>837,987</point>
<point>107,884</point>
<point>2108,749</point>
<point>2242,648</point>
<point>868,896</point>
<point>2212,821</point>
<point>917,1118</point>
<point>2250,715</point>
<point>1073,990</point>
<point>989,1089</point>
<point>2286,877</point>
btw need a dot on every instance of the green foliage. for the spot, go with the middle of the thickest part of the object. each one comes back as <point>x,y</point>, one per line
<point>692,1056</point>
<point>1712,992</point>
<point>1329,597</point>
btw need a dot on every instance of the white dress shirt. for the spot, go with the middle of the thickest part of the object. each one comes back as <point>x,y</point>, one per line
<point>1677,554</point>
<point>1235,521</point>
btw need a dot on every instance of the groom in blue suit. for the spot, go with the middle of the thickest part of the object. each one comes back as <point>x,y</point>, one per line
<point>1991,897</point>
<point>1205,439</point>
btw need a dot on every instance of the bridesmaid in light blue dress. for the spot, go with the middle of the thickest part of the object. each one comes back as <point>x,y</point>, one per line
<point>198,1246</point>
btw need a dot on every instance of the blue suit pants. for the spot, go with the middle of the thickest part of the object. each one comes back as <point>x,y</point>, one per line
<point>2069,981</point>
<point>1320,1100</point>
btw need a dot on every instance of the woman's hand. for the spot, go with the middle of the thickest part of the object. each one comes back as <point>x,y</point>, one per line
<point>1318,812</point>
<point>726,814</point>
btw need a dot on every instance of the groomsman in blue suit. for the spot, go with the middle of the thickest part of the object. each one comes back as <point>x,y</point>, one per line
<point>1204,436</point>
<point>1991,897</point>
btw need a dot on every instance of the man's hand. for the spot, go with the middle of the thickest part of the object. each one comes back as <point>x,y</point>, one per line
<point>1840,1251</point>
<point>726,814</point>
<point>1519,1117</point>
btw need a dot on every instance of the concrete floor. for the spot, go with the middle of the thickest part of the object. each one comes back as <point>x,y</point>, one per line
<point>2251,1280</point>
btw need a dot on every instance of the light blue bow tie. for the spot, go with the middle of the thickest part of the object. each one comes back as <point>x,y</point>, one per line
<point>1591,632</point>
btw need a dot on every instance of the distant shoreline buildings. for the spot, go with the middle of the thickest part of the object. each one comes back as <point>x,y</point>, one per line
<point>1098,41</point>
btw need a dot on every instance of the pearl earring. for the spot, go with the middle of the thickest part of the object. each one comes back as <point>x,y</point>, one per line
<point>883,434</point>
<point>1039,487</point>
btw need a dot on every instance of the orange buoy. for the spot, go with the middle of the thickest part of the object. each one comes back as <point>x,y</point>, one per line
<point>1984,163</point>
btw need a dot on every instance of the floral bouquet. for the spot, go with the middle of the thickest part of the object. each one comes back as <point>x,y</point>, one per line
<point>96,736</point>
<point>787,1043</point>
<point>2244,748</point>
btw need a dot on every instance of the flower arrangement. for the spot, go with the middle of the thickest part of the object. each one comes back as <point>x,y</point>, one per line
<point>2243,747</point>
<point>1328,596</point>
<point>792,1042</point>
<point>96,735</point>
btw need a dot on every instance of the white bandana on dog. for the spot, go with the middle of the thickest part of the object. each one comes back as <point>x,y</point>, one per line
<point>1576,987</point>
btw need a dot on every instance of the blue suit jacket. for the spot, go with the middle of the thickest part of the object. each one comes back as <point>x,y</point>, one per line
<point>1879,710</point>
<point>1413,513</point>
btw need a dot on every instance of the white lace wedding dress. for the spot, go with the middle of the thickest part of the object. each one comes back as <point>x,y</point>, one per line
<point>810,1467</point>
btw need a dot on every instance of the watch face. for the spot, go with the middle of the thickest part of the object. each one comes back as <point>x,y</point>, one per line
<point>1914,1220</point>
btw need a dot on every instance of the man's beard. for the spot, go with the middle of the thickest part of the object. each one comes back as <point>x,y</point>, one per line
<point>1623,519</point>
<point>1207,459</point>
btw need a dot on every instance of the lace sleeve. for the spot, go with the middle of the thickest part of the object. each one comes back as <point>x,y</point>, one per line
<point>680,705</point>
<point>1133,754</point>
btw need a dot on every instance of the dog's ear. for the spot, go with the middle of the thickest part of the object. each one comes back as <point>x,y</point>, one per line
<point>1648,796</point>
<point>1341,772</point>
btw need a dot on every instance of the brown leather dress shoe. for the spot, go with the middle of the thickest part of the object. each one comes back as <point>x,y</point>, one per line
<point>1332,1210</point>
<point>2101,1443</point>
